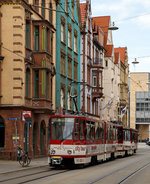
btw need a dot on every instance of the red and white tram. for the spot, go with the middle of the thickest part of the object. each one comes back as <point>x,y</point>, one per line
<point>78,139</point>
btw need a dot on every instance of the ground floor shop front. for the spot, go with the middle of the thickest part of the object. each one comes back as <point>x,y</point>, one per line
<point>16,130</point>
<point>143,132</point>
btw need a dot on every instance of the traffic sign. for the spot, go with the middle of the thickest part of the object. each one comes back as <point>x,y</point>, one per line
<point>12,118</point>
<point>26,114</point>
<point>15,137</point>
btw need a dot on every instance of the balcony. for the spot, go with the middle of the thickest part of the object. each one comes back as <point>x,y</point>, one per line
<point>97,62</point>
<point>41,103</point>
<point>97,92</point>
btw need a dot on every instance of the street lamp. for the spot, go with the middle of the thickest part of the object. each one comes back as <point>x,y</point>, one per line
<point>134,63</point>
<point>113,27</point>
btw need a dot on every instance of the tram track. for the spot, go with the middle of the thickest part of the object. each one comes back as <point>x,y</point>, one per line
<point>121,169</point>
<point>33,176</point>
<point>135,172</point>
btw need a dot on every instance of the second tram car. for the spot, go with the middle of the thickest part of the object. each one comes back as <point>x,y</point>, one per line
<point>81,140</point>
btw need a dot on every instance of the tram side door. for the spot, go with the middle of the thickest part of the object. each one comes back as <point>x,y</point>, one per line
<point>120,134</point>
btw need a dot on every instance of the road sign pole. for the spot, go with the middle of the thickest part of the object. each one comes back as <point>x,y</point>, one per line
<point>28,121</point>
<point>16,139</point>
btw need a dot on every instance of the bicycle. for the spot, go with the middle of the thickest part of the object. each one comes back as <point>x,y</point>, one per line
<point>24,160</point>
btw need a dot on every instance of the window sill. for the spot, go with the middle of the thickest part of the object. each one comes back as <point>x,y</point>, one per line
<point>63,42</point>
<point>76,52</point>
<point>70,48</point>
<point>28,98</point>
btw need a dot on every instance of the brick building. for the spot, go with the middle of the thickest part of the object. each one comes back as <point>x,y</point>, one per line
<point>92,56</point>
<point>27,70</point>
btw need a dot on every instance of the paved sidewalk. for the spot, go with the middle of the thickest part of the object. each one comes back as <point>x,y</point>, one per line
<point>143,145</point>
<point>7,166</point>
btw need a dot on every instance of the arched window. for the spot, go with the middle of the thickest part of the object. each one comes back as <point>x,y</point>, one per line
<point>2,133</point>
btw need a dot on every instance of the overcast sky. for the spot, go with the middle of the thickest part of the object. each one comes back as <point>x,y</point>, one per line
<point>133,19</point>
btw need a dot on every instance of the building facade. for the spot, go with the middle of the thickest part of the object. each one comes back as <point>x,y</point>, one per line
<point>92,54</point>
<point>67,54</point>
<point>123,85</point>
<point>109,105</point>
<point>27,75</point>
<point>140,104</point>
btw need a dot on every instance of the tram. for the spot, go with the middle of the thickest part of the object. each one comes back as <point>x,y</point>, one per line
<point>80,140</point>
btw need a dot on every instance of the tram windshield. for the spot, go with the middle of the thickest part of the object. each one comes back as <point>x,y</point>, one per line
<point>62,128</point>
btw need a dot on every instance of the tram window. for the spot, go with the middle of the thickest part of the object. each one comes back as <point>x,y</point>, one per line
<point>101,131</point>
<point>62,128</point>
<point>56,130</point>
<point>92,130</point>
<point>114,132</point>
<point>82,125</point>
<point>120,134</point>
<point>111,132</point>
<point>76,131</point>
<point>97,130</point>
<point>128,135</point>
<point>124,135</point>
<point>108,132</point>
<point>88,126</point>
<point>134,136</point>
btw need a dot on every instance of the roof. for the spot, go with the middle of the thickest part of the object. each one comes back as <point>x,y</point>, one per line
<point>103,23</point>
<point>83,12</point>
<point>116,57</point>
<point>109,50</point>
<point>122,51</point>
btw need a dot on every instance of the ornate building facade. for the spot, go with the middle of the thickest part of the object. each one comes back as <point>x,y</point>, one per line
<point>92,55</point>
<point>67,54</point>
<point>27,75</point>
<point>123,85</point>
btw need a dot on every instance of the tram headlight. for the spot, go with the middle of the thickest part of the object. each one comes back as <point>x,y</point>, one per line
<point>53,152</point>
<point>69,152</point>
